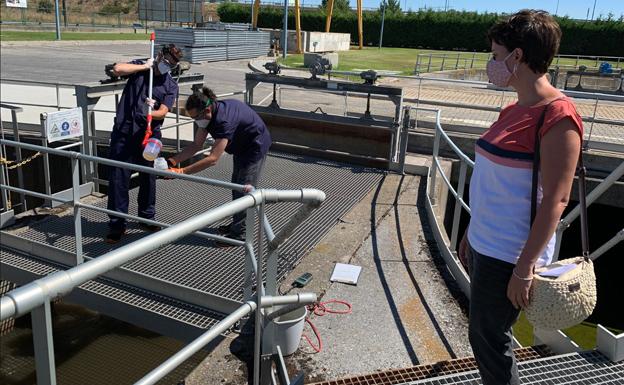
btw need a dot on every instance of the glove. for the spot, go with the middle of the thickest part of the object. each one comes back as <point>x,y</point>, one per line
<point>176,170</point>
<point>148,103</point>
<point>248,188</point>
<point>171,162</point>
<point>149,63</point>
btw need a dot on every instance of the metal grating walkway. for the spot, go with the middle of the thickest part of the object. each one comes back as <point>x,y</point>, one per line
<point>571,369</point>
<point>193,261</point>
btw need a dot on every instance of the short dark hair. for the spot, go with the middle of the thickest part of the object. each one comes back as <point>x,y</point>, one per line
<point>535,32</point>
<point>173,51</point>
<point>198,99</point>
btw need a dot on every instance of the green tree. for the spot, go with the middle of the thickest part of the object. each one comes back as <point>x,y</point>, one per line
<point>339,5</point>
<point>392,6</point>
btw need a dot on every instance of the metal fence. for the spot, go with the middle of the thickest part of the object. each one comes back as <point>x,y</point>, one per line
<point>434,62</point>
<point>35,297</point>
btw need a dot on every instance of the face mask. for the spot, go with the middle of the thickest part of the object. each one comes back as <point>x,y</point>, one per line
<point>163,68</point>
<point>498,73</point>
<point>202,123</point>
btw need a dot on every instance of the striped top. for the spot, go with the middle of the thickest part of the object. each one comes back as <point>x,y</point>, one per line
<point>500,187</point>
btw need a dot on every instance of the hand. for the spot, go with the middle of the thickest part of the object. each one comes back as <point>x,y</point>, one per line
<point>149,63</point>
<point>149,103</point>
<point>518,289</point>
<point>176,170</point>
<point>462,251</point>
<point>171,162</point>
<point>248,188</point>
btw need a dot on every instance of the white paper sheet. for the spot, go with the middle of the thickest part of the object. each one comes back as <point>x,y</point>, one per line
<point>346,273</point>
<point>558,271</point>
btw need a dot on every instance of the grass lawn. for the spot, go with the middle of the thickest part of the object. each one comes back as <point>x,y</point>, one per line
<point>43,36</point>
<point>403,60</point>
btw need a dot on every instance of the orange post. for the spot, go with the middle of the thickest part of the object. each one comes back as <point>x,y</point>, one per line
<point>330,10</point>
<point>360,28</point>
<point>254,21</point>
<point>298,25</point>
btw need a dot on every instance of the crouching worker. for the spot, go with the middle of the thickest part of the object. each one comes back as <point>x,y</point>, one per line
<point>237,130</point>
<point>129,131</point>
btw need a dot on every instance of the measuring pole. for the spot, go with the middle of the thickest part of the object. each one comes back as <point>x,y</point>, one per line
<point>148,130</point>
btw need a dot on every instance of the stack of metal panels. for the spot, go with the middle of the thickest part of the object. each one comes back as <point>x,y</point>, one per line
<point>208,44</point>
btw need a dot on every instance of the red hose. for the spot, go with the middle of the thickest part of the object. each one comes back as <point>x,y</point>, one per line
<point>320,309</point>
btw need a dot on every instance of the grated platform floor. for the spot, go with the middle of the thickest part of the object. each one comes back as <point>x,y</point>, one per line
<point>195,262</point>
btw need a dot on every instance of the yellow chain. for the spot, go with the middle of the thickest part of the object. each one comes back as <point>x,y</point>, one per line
<point>14,165</point>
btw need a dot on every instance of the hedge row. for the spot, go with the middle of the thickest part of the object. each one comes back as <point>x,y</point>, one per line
<point>436,30</point>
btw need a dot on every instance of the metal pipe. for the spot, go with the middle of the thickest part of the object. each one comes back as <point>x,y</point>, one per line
<point>134,167</point>
<point>619,237</point>
<point>60,283</point>
<point>177,359</point>
<point>34,194</point>
<point>77,210</point>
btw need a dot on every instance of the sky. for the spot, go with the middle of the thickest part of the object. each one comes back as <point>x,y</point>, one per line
<point>576,9</point>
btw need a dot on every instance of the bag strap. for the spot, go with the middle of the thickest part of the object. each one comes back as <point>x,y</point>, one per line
<point>581,171</point>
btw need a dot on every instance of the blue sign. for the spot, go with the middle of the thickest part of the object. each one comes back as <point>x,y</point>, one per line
<point>65,126</point>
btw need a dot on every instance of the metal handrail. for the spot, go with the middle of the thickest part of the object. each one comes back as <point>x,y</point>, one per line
<point>35,297</point>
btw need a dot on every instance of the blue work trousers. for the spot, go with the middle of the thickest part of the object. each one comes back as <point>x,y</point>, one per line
<point>128,148</point>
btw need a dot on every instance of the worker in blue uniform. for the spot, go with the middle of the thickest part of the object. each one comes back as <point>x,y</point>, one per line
<point>126,142</point>
<point>238,130</point>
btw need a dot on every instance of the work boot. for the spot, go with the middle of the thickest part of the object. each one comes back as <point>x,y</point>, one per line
<point>114,236</point>
<point>239,237</point>
<point>149,228</point>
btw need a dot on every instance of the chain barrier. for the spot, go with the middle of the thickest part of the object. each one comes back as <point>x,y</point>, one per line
<point>13,165</point>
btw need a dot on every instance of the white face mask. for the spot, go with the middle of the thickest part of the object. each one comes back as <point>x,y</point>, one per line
<point>202,123</point>
<point>163,67</point>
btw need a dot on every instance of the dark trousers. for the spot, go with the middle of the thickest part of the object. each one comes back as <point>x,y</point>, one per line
<point>244,174</point>
<point>128,148</point>
<point>490,319</point>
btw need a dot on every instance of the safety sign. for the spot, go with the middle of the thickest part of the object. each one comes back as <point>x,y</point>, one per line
<point>64,124</point>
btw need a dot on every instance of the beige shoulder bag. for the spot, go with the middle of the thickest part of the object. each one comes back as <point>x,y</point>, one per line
<point>559,301</point>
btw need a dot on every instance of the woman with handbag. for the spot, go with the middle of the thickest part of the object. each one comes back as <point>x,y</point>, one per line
<point>502,245</point>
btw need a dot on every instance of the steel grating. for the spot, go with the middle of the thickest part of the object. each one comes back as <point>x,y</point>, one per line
<point>442,368</point>
<point>147,301</point>
<point>193,261</point>
<point>573,369</point>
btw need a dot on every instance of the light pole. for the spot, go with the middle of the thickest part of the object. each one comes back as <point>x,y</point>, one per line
<point>383,17</point>
<point>557,9</point>
<point>285,42</point>
<point>58,20</point>
<point>593,10</point>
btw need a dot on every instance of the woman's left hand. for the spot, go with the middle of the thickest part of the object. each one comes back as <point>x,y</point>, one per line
<point>518,290</point>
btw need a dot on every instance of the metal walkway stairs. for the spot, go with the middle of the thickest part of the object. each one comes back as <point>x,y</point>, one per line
<point>171,290</point>
<point>536,366</point>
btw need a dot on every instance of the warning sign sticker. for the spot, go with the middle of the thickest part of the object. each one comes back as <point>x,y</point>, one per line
<point>64,124</point>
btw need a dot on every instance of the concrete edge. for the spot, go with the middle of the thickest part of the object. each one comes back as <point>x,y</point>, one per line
<point>255,68</point>
<point>69,43</point>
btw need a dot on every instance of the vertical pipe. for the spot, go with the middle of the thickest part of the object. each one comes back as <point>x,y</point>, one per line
<point>458,207</point>
<point>298,26</point>
<point>383,18</point>
<point>46,157</point>
<point>3,176</point>
<point>18,157</point>
<point>285,31</point>
<point>259,291</point>
<point>434,168</point>
<point>360,27</point>
<point>58,97</point>
<point>44,344</point>
<point>77,209</point>
<point>58,21</point>
<point>329,9</point>
<point>404,139</point>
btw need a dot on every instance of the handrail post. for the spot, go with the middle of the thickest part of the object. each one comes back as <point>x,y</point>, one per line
<point>4,174</point>
<point>77,210</point>
<point>259,316</point>
<point>404,139</point>
<point>433,169</point>
<point>44,344</point>
<point>458,207</point>
<point>18,157</point>
<point>46,158</point>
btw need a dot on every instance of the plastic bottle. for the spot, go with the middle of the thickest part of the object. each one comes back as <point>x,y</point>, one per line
<point>160,163</point>
<point>152,149</point>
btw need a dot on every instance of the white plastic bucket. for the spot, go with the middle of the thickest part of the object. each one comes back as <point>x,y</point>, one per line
<point>288,330</point>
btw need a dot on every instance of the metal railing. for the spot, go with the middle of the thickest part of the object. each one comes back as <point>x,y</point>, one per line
<point>433,62</point>
<point>36,296</point>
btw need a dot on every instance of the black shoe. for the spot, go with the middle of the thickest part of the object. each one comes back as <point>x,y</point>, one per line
<point>149,228</point>
<point>114,236</point>
<point>223,229</point>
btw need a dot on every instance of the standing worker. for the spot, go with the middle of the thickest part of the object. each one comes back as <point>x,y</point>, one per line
<point>126,144</point>
<point>237,130</point>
